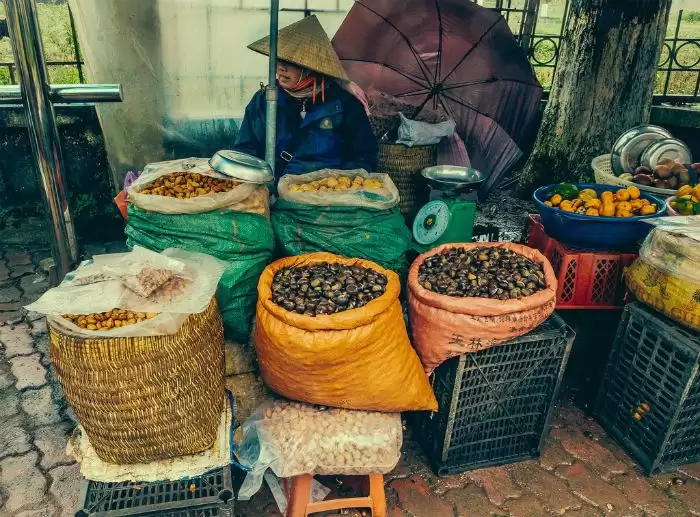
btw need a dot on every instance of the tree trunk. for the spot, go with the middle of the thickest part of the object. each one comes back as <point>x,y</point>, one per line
<point>603,85</point>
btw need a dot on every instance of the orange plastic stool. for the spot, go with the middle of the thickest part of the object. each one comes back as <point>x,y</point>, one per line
<point>298,491</point>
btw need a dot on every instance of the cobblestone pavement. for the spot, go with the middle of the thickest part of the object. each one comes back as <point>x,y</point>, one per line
<point>581,472</point>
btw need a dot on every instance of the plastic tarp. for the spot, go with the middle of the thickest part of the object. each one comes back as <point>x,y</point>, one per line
<point>185,71</point>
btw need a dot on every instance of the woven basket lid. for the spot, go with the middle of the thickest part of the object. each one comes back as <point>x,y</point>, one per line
<point>305,44</point>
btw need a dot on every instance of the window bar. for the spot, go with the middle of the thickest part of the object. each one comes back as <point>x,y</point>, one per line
<point>557,49</point>
<point>26,42</point>
<point>531,48</point>
<point>76,46</point>
<point>527,29</point>
<point>37,96</point>
<point>672,52</point>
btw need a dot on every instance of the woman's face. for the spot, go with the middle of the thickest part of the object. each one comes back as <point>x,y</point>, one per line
<point>288,74</point>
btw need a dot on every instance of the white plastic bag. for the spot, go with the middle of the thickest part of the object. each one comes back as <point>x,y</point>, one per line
<point>293,438</point>
<point>199,277</point>
<point>128,267</point>
<point>195,205</point>
<point>666,275</point>
<point>414,132</point>
<point>673,247</point>
<point>380,199</point>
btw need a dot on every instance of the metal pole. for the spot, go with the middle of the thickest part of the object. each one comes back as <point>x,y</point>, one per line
<point>25,37</point>
<point>68,93</point>
<point>271,92</point>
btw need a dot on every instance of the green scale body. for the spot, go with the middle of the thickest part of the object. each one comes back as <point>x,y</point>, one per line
<point>443,221</point>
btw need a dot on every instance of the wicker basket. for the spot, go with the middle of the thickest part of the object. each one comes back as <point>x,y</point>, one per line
<point>146,398</point>
<point>403,164</point>
<point>602,170</point>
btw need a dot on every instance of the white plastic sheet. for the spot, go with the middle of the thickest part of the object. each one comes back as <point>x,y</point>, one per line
<point>200,274</point>
<point>415,132</point>
<point>186,73</point>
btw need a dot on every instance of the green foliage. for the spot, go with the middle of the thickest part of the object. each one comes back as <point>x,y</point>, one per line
<point>4,76</point>
<point>691,16</point>
<point>95,217</point>
<point>63,74</point>
<point>85,206</point>
<point>57,38</point>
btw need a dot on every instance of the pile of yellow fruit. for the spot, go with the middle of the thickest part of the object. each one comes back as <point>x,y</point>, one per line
<point>687,200</point>
<point>109,320</point>
<point>337,184</point>
<point>625,202</point>
<point>186,185</point>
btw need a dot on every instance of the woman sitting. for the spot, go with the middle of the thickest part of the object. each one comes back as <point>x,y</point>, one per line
<point>320,125</point>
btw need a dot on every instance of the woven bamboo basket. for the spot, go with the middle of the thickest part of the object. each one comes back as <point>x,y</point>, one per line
<point>142,399</point>
<point>602,170</point>
<point>403,164</point>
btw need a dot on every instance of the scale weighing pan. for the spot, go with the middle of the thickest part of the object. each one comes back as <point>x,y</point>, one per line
<point>242,167</point>
<point>452,178</point>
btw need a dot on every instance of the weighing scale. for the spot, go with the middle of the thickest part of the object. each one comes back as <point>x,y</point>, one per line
<point>450,219</point>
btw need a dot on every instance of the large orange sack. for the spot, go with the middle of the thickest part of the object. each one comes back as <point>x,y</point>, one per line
<point>445,326</point>
<point>356,359</point>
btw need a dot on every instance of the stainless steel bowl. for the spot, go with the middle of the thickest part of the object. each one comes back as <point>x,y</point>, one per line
<point>670,148</point>
<point>242,167</point>
<point>451,178</point>
<point>628,149</point>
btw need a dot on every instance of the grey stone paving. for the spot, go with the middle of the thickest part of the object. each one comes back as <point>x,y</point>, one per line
<point>37,478</point>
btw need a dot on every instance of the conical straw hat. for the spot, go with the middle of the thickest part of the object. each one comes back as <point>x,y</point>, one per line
<point>306,44</point>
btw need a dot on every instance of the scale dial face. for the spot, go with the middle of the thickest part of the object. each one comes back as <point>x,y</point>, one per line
<point>431,222</point>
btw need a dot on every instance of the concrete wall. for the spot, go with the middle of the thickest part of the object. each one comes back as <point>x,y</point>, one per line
<point>87,174</point>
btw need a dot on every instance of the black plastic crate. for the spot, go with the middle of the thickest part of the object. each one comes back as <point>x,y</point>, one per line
<point>496,404</point>
<point>209,495</point>
<point>649,400</point>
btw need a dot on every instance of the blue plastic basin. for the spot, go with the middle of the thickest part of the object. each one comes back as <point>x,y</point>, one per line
<point>596,233</point>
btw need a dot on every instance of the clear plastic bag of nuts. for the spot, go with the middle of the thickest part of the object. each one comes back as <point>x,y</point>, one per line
<point>294,438</point>
<point>190,281</point>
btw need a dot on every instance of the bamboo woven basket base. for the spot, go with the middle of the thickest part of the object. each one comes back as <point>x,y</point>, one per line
<point>403,165</point>
<point>400,158</point>
<point>149,398</point>
<point>412,191</point>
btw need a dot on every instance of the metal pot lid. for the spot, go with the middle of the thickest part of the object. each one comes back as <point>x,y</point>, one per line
<point>628,149</point>
<point>667,149</point>
<point>242,167</point>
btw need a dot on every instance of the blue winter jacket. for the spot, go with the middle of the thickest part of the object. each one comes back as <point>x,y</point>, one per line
<point>336,133</point>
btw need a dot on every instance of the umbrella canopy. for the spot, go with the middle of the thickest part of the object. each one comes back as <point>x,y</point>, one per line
<point>453,55</point>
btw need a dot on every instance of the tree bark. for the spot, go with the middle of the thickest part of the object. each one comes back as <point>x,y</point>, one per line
<point>603,85</point>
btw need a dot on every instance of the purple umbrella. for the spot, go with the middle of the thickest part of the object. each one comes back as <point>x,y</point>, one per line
<point>453,55</point>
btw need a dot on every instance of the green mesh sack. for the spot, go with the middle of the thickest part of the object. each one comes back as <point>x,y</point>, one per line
<point>350,231</point>
<point>242,239</point>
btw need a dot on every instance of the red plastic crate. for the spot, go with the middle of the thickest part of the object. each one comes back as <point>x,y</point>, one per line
<point>587,279</point>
